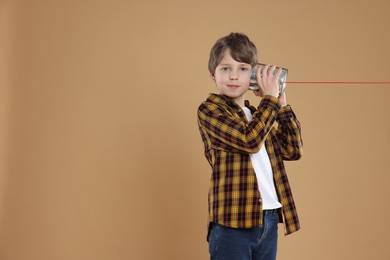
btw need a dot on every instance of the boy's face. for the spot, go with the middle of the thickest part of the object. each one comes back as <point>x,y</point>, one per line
<point>232,77</point>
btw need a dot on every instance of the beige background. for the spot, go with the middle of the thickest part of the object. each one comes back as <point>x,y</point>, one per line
<point>100,155</point>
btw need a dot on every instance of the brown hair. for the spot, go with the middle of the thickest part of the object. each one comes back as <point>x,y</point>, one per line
<point>241,50</point>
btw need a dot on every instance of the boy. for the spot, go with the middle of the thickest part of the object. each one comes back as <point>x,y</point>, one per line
<point>249,190</point>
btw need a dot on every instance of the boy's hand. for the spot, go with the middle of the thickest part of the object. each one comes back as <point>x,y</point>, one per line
<point>282,99</point>
<point>268,83</point>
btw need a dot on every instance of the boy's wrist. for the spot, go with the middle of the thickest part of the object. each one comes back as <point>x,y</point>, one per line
<point>272,98</point>
<point>270,101</point>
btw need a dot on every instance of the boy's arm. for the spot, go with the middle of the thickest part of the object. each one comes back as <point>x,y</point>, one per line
<point>235,132</point>
<point>289,134</point>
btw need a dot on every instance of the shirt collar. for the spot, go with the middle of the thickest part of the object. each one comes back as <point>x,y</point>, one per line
<point>225,100</point>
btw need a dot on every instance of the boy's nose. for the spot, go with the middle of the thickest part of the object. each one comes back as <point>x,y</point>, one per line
<point>233,75</point>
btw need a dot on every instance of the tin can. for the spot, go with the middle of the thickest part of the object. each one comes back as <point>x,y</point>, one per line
<point>282,79</point>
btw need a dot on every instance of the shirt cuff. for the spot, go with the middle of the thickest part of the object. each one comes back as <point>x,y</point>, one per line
<point>270,102</point>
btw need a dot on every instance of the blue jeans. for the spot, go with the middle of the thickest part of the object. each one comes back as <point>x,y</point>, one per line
<point>257,243</point>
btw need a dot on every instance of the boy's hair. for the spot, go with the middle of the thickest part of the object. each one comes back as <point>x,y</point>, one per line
<point>241,50</point>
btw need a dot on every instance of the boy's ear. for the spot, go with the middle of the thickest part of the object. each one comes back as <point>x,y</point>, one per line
<point>212,76</point>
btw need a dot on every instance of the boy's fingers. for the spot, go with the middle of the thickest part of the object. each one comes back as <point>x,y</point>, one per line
<point>279,72</point>
<point>264,74</point>
<point>266,70</point>
<point>258,73</point>
<point>271,71</point>
<point>259,68</point>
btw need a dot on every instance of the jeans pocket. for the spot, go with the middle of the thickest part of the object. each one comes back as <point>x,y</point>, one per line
<point>213,241</point>
<point>213,248</point>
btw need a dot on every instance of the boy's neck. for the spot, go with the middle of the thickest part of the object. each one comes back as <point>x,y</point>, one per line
<point>240,101</point>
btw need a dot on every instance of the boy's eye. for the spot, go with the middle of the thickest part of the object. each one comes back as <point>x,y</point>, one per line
<point>244,69</point>
<point>225,68</point>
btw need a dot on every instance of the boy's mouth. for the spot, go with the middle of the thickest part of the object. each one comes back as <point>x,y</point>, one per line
<point>233,86</point>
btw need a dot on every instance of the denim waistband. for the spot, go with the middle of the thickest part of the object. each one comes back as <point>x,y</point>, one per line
<point>270,211</point>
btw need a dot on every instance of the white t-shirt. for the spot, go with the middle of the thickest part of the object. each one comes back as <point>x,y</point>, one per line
<point>262,166</point>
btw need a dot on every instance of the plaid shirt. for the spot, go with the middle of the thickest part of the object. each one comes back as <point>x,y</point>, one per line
<point>228,137</point>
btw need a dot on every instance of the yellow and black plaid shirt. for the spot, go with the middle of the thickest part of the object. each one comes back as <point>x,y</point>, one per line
<point>229,138</point>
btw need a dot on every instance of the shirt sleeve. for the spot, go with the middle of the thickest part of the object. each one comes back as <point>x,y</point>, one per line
<point>235,132</point>
<point>288,134</point>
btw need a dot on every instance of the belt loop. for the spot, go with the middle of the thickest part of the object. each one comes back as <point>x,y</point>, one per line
<point>270,211</point>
